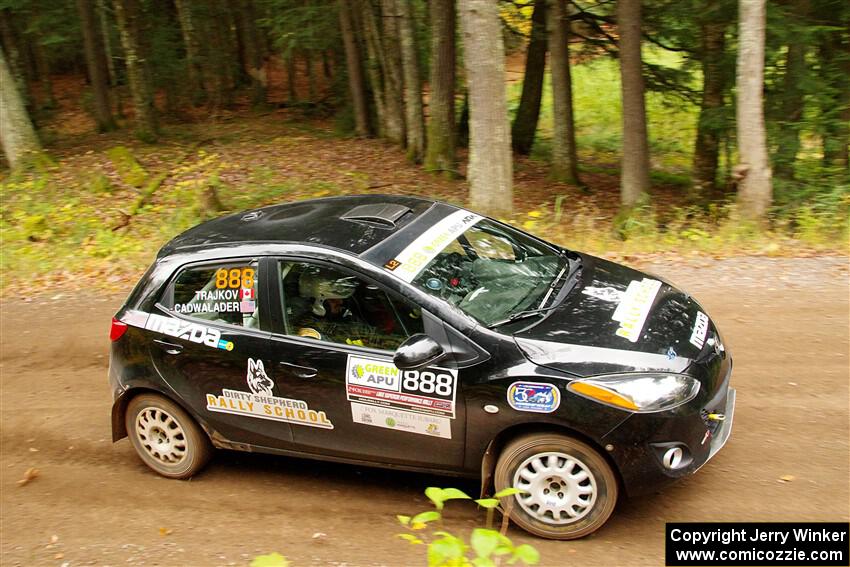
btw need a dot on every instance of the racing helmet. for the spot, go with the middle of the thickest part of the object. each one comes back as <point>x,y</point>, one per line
<point>320,284</point>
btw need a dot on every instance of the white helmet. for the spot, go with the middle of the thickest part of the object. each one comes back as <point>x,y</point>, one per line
<point>321,284</point>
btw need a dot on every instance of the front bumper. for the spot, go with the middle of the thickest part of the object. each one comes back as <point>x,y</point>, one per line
<point>640,442</point>
<point>722,435</point>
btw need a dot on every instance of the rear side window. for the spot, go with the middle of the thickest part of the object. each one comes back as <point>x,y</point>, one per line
<point>223,293</point>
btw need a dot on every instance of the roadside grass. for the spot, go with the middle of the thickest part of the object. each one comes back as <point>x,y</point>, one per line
<point>66,226</point>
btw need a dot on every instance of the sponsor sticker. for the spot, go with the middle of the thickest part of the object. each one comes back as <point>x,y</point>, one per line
<point>401,420</point>
<point>700,330</point>
<point>534,397</point>
<point>410,261</point>
<point>260,402</point>
<point>632,311</point>
<point>193,332</point>
<point>604,293</point>
<point>378,381</point>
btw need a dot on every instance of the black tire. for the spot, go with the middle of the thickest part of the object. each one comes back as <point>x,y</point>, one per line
<point>165,437</point>
<point>588,518</point>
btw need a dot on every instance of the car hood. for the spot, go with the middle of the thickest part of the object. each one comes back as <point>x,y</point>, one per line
<point>617,319</point>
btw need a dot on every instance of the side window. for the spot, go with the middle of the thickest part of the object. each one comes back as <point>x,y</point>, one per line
<point>224,293</point>
<point>330,305</point>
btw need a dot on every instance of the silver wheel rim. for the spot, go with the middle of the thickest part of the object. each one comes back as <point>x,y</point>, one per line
<point>161,436</point>
<point>559,488</point>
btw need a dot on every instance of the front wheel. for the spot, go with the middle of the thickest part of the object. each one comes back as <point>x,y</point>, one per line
<point>569,489</point>
<point>165,437</point>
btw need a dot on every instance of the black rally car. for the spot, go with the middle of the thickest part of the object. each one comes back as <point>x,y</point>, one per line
<point>412,334</point>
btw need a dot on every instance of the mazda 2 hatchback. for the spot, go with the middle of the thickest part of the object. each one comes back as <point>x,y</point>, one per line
<point>412,334</point>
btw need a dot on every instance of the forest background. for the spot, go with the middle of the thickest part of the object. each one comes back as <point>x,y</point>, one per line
<point>681,127</point>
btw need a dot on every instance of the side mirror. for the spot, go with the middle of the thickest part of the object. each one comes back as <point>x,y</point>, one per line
<point>418,351</point>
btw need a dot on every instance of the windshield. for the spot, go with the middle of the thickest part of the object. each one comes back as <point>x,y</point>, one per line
<point>491,272</point>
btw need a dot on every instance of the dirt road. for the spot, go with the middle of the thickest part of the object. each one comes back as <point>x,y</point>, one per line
<point>94,503</point>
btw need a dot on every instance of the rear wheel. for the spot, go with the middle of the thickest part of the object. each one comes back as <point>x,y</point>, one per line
<point>569,489</point>
<point>165,437</point>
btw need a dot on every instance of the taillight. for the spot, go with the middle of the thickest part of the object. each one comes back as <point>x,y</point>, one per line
<point>117,330</point>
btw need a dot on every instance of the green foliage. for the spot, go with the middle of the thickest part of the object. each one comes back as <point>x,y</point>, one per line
<point>439,496</point>
<point>598,115</point>
<point>297,26</point>
<point>128,168</point>
<point>270,560</point>
<point>445,549</point>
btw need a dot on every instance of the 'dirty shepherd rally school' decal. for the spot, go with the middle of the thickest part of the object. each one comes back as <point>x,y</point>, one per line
<point>260,402</point>
<point>534,397</point>
<point>632,311</point>
<point>193,332</point>
<point>417,401</point>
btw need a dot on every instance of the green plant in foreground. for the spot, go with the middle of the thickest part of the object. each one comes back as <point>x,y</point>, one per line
<point>488,547</point>
<point>270,560</point>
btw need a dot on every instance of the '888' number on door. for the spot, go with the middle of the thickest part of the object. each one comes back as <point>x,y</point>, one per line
<point>429,383</point>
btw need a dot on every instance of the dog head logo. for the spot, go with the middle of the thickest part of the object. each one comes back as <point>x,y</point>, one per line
<point>258,381</point>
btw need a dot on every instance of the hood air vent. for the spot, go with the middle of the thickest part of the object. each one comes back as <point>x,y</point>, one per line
<point>380,215</point>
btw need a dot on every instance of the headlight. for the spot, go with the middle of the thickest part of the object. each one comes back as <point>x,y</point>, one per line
<point>638,392</point>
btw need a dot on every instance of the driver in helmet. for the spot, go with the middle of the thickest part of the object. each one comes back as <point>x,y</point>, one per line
<point>331,317</point>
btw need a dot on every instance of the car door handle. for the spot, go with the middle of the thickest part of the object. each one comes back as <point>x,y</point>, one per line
<point>300,371</point>
<point>169,348</point>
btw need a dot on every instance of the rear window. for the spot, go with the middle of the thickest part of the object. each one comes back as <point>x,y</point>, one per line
<point>223,293</point>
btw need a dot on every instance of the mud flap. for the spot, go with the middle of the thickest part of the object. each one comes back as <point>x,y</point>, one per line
<point>488,467</point>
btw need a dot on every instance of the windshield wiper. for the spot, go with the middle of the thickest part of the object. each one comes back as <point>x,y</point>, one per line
<point>554,283</point>
<point>522,315</point>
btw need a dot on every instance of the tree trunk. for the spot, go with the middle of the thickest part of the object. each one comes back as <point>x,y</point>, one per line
<point>843,153</point>
<point>127,13</point>
<point>413,116</point>
<point>376,65</point>
<point>564,154</point>
<point>11,45</point>
<point>17,134</point>
<point>42,64</point>
<point>194,71</point>
<point>355,73</point>
<point>528,112</point>
<point>792,110</point>
<point>709,127</point>
<point>326,66</point>
<point>393,82</point>
<point>835,105</point>
<point>98,73</point>
<point>221,69</point>
<point>312,93</point>
<point>490,170</point>
<point>107,60</point>
<point>755,192</point>
<point>440,152</point>
<point>634,175</point>
<point>291,75</point>
<point>253,49</point>
<point>106,54</point>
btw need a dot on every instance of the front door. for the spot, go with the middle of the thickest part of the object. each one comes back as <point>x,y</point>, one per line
<point>332,348</point>
<point>210,344</point>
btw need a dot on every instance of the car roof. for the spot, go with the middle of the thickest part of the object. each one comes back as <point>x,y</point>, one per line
<point>354,223</point>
